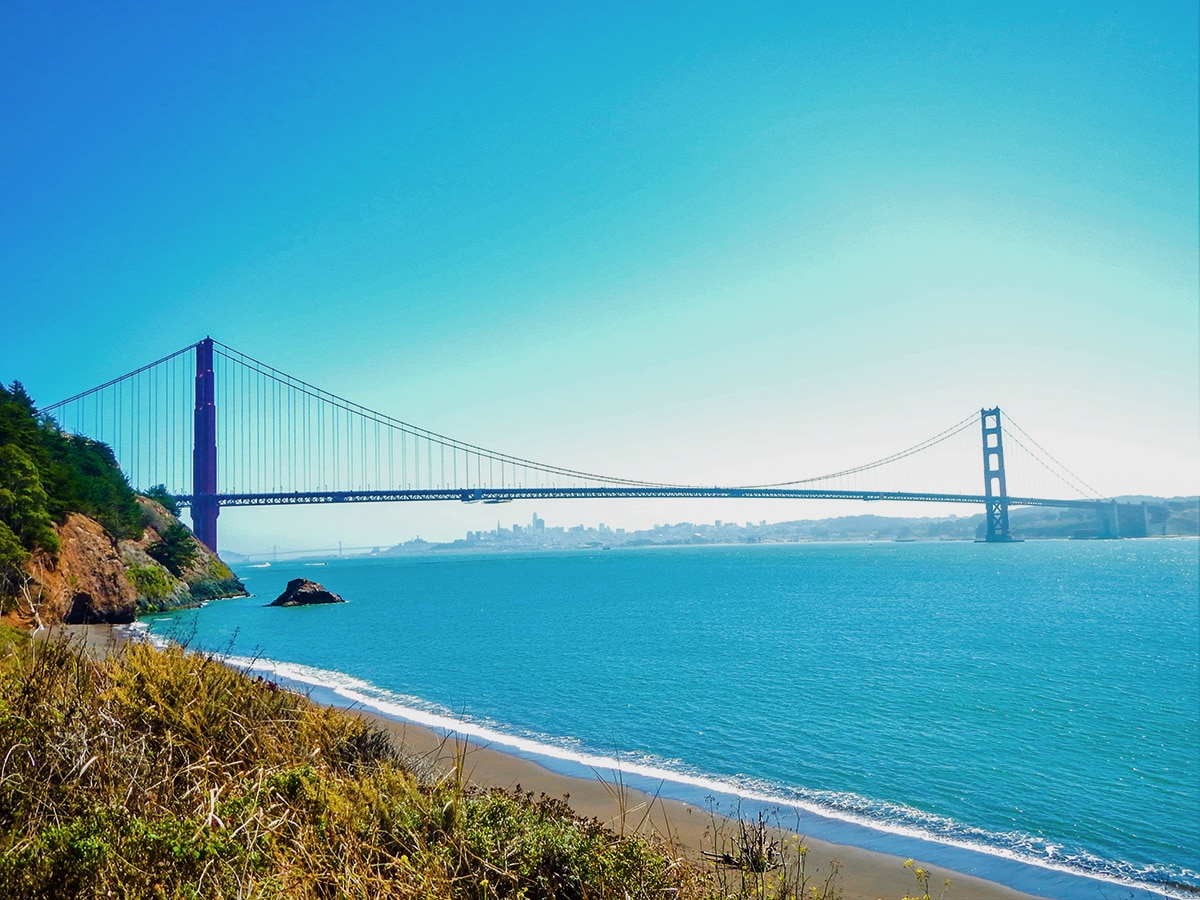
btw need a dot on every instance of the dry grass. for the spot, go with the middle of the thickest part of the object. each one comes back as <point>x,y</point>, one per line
<point>167,774</point>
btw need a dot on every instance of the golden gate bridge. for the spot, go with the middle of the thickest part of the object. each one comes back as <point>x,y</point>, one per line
<point>217,428</point>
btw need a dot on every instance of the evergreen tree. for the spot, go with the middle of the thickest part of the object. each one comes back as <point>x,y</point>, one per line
<point>176,550</point>
<point>160,493</point>
<point>12,561</point>
<point>45,475</point>
<point>23,500</point>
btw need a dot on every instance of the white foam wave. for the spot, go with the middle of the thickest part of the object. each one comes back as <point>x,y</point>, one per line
<point>878,816</point>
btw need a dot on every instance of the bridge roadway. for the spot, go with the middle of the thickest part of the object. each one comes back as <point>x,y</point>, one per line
<point>507,495</point>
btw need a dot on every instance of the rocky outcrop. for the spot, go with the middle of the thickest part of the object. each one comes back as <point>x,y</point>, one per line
<point>94,579</point>
<point>302,592</point>
<point>205,578</point>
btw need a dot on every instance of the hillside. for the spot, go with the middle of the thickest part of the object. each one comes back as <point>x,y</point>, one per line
<point>77,545</point>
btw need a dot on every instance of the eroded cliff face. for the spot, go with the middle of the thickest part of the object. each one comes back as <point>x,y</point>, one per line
<point>85,582</point>
<point>94,579</point>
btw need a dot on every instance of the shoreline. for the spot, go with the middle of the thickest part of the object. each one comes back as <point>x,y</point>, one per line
<point>436,550</point>
<point>979,873</point>
<point>689,830</point>
<point>870,863</point>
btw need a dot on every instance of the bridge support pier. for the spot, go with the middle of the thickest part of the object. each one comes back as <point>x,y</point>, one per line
<point>1108,526</point>
<point>205,508</point>
<point>995,488</point>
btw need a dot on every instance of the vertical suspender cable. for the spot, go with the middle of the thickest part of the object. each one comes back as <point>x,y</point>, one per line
<point>157,429</point>
<point>291,403</point>
<point>119,422</point>
<point>264,476</point>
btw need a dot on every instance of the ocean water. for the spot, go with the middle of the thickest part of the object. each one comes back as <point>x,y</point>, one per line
<point>1027,712</point>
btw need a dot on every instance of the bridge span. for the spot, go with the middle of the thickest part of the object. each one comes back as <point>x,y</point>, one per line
<point>216,428</point>
<point>507,495</point>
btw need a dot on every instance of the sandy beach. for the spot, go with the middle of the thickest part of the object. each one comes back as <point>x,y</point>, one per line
<point>689,830</point>
<point>96,640</point>
<point>863,874</point>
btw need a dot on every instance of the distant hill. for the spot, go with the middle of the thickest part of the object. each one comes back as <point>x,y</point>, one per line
<point>1140,516</point>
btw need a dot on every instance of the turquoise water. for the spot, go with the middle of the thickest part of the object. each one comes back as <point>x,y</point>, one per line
<point>1036,701</point>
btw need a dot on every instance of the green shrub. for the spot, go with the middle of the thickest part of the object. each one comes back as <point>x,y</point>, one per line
<point>150,582</point>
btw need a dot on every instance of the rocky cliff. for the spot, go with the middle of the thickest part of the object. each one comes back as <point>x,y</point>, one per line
<point>94,578</point>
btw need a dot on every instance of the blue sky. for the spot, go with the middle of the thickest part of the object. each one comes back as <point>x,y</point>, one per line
<point>696,243</point>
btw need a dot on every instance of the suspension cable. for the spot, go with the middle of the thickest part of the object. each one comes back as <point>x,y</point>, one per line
<point>49,409</point>
<point>1066,476</point>
<point>432,437</point>
<point>300,394</point>
<point>917,448</point>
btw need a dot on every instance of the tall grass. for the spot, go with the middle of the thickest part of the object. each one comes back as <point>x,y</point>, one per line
<point>165,774</point>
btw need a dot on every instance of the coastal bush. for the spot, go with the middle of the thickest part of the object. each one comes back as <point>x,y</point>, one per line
<point>10,638</point>
<point>151,582</point>
<point>168,774</point>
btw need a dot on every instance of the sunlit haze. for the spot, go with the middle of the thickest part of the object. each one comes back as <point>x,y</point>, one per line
<point>686,244</point>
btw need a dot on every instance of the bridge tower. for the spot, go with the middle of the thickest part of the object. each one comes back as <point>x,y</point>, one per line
<point>995,488</point>
<point>204,449</point>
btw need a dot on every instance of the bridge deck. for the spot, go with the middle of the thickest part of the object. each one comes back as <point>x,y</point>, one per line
<point>506,495</point>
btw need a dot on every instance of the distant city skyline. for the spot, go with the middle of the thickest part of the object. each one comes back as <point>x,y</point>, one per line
<point>677,244</point>
<point>1135,519</point>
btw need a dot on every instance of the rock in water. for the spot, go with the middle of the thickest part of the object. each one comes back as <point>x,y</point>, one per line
<point>302,592</point>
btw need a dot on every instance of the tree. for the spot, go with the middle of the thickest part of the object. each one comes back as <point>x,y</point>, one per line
<point>177,549</point>
<point>12,562</point>
<point>18,417</point>
<point>160,494</point>
<point>75,473</point>
<point>23,500</point>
